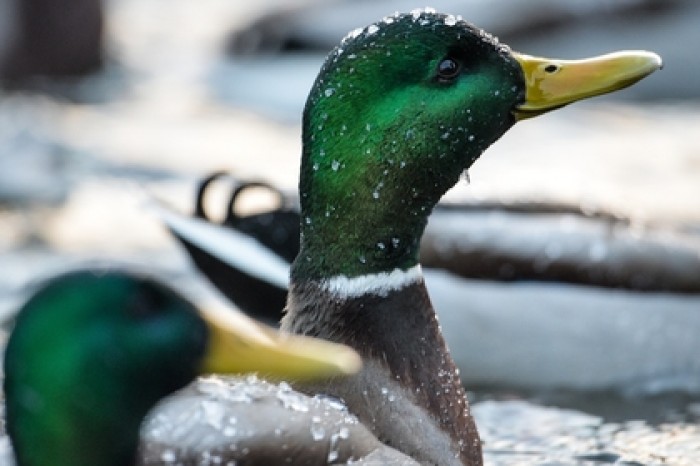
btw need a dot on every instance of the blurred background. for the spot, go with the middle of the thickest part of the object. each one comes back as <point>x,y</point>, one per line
<point>104,104</point>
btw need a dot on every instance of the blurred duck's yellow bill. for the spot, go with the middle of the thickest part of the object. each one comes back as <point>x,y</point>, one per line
<point>238,344</point>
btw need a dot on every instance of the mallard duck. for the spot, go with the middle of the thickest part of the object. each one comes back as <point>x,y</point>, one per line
<point>399,110</point>
<point>92,351</point>
<point>277,230</point>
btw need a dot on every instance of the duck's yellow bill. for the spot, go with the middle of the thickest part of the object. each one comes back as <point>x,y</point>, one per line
<point>238,344</point>
<point>551,84</point>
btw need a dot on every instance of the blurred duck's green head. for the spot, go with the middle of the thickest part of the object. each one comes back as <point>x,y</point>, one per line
<point>91,353</point>
<point>399,110</point>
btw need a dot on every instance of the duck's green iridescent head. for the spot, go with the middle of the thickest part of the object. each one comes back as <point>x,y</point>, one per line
<point>92,352</point>
<point>399,110</point>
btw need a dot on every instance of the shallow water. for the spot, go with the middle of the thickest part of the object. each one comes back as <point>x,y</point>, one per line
<point>75,175</point>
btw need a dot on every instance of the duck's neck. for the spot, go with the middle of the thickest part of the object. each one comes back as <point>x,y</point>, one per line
<point>408,392</point>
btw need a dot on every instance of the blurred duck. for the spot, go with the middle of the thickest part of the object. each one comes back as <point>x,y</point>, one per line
<point>93,351</point>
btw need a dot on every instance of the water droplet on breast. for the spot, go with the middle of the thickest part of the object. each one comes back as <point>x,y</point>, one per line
<point>318,432</point>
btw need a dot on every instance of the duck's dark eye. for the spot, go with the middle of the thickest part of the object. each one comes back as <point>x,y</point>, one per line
<point>551,68</point>
<point>448,69</point>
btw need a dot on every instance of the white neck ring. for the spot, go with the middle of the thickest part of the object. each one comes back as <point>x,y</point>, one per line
<point>380,284</point>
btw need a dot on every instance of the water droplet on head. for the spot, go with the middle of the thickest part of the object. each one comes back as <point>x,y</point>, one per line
<point>354,33</point>
<point>465,176</point>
